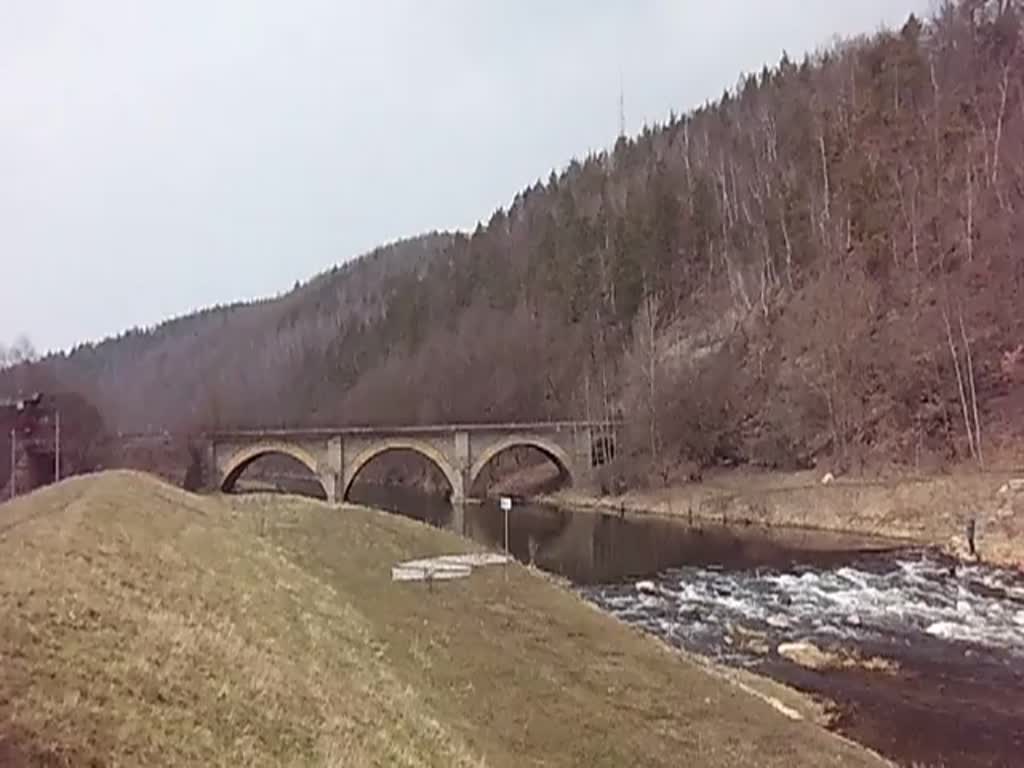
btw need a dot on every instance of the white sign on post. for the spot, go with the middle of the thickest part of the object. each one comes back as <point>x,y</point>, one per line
<point>506,507</point>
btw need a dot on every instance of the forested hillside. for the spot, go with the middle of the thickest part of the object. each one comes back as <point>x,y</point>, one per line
<point>235,362</point>
<point>825,262</point>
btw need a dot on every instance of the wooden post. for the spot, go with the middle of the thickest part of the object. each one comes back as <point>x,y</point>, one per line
<point>14,459</point>
<point>56,453</point>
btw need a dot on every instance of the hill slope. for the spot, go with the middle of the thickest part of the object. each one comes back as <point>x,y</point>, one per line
<point>226,360</point>
<point>143,625</point>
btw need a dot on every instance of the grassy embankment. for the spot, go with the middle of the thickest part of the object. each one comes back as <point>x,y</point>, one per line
<point>140,625</point>
<point>930,510</point>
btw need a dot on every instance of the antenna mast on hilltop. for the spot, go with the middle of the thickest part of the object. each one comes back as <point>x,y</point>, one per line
<point>622,107</point>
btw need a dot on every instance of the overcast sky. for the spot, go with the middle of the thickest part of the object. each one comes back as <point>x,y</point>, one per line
<point>156,157</point>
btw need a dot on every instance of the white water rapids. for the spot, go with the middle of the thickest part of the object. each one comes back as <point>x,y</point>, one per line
<point>912,602</point>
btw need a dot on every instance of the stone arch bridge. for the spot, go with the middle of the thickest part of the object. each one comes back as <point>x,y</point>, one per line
<point>460,452</point>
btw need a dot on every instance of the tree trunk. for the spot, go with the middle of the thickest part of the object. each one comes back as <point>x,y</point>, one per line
<point>960,383</point>
<point>652,373</point>
<point>974,392</point>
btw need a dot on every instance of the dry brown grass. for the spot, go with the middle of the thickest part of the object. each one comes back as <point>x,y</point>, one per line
<point>140,625</point>
<point>809,655</point>
<point>145,626</point>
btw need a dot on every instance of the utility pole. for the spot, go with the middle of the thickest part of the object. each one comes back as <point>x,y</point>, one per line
<point>56,452</point>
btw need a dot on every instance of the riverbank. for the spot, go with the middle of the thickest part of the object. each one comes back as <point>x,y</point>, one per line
<point>143,625</point>
<point>932,511</point>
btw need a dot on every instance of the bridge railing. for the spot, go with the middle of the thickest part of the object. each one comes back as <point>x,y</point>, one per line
<point>320,432</point>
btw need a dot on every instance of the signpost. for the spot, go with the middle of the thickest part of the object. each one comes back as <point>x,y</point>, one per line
<point>506,507</point>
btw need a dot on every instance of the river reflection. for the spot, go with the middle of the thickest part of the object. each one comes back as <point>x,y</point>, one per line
<point>591,548</point>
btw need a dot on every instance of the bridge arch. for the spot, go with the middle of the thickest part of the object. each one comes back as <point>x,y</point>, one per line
<point>242,458</point>
<point>424,449</point>
<point>550,449</point>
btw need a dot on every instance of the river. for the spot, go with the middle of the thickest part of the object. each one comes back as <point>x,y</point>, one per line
<point>934,652</point>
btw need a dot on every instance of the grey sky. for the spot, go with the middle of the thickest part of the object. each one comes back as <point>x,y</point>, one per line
<point>160,156</point>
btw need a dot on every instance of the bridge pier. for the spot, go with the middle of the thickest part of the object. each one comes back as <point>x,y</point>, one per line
<point>461,454</point>
<point>458,494</point>
<point>329,480</point>
<point>458,521</point>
